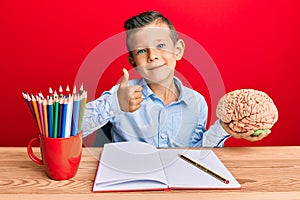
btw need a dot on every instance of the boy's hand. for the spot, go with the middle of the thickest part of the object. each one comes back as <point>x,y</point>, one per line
<point>130,97</point>
<point>247,136</point>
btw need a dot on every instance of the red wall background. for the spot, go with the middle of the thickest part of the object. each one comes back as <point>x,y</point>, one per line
<point>254,44</point>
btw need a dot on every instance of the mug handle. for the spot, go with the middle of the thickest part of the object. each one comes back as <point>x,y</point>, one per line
<point>30,152</point>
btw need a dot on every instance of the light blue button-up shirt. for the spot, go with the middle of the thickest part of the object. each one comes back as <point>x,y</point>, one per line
<point>179,124</point>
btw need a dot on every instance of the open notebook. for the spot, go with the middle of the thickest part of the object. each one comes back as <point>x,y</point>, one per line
<point>128,166</point>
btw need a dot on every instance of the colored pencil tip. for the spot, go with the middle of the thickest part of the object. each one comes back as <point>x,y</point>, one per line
<point>24,95</point>
<point>32,97</point>
<point>41,95</point>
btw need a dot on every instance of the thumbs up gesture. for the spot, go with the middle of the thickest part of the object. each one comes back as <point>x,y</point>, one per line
<point>130,97</point>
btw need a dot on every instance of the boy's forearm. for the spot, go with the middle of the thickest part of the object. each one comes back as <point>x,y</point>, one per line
<point>98,113</point>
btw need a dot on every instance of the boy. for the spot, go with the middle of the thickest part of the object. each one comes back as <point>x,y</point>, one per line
<point>157,108</point>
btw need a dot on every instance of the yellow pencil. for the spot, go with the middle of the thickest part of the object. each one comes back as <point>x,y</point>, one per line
<point>36,111</point>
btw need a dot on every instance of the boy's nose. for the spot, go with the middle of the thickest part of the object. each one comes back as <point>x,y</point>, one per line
<point>152,55</point>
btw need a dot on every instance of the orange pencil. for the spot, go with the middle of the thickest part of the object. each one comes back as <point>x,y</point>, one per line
<point>45,117</point>
<point>36,111</point>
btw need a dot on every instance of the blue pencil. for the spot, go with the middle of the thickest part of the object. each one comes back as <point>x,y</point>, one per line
<point>50,117</point>
<point>76,106</point>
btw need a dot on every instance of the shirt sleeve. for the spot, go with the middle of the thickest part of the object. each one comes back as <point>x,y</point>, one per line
<point>215,136</point>
<point>100,111</point>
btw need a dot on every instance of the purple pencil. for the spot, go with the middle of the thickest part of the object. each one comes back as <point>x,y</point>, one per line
<point>29,103</point>
<point>60,117</point>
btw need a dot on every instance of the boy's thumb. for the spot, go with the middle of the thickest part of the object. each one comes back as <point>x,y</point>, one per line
<point>124,81</point>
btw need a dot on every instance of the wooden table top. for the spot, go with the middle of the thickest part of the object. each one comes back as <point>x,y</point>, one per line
<point>263,172</point>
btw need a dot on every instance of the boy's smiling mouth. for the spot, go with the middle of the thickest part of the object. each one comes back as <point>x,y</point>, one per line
<point>153,67</point>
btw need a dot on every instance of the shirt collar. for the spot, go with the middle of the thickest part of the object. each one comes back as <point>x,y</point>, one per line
<point>184,95</point>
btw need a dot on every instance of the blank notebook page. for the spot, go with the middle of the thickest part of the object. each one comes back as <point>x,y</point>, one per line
<point>181,174</point>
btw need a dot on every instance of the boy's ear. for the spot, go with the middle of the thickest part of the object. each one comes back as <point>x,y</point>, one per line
<point>179,49</point>
<point>131,61</point>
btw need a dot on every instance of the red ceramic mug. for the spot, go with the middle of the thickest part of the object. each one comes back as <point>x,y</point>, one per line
<point>60,156</point>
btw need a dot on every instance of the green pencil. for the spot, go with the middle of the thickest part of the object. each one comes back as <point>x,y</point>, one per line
<point>56,107</point>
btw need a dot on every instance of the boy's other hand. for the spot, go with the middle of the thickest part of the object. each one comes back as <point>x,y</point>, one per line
<point>130,97</point>
<point>247,135</point>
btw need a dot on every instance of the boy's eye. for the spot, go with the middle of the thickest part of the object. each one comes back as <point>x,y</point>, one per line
<point>161,45</point>
<point>141,51</point>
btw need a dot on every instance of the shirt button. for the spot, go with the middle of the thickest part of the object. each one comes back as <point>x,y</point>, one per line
<point>111,112</point>
<point>163,136</point>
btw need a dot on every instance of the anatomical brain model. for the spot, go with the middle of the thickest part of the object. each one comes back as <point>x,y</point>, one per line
<point>247,109</point>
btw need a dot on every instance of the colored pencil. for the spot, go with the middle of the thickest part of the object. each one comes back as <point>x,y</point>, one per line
<point>40,106</point>
<point>60,116</point>
<point>50,117</point>
<point>75,116</point>
<point>30,106</point>
<point>45,117</point>
<point>56,114</point>
<point>68,91</point>
<point>83,104</point>
<point>26,97</point>
<point>60,90</point>
<point>74,90</point>
<point>51,93</point>
<point>64,118</point>
<point>69,116</point>
<point>36,111</point>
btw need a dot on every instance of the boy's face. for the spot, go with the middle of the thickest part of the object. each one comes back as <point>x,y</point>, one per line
<point>154,54</point>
